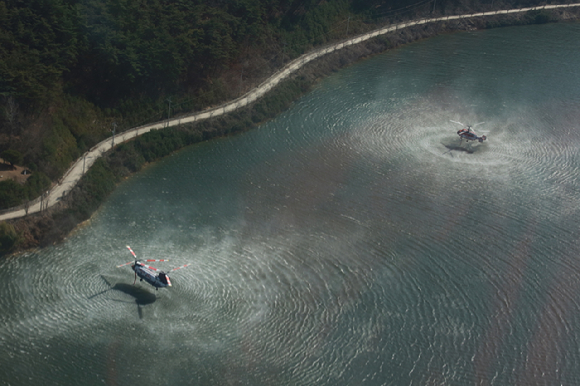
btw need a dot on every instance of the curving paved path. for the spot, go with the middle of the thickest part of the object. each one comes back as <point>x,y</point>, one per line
<point>74,174</point>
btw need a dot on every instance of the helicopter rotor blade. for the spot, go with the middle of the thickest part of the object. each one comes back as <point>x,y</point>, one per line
<point>135,281</point>
<point>133,253</point>
<point>149,260</point>
<point>183,266</point>
<point>459,123</point>
<point>150,267</point>
<point>122,265</point>
<point>168,281</point>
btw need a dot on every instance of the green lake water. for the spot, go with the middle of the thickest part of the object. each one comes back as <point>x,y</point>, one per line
<point>353,240</point>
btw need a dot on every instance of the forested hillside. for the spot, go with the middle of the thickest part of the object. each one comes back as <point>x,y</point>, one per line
<point>72,72</point>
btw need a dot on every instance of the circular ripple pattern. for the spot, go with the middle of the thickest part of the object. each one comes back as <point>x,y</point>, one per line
<point>352,240</point>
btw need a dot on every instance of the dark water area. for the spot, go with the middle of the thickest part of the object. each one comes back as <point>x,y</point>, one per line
<point>352,240</point>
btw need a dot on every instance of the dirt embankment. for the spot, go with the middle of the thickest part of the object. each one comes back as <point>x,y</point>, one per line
<point>17,173</point>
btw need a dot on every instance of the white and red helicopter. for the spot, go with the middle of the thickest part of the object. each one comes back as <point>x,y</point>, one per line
<point>153,276</point>
<point>468,134</point>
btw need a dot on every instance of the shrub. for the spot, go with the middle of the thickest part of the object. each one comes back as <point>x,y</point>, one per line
<point>8,238</point>
<point>12,156</point>
<point>11,194</point>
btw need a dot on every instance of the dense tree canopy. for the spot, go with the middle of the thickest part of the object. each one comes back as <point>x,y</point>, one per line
<point>109,50</point>
<point>12,156</point>
<point>39,41</point>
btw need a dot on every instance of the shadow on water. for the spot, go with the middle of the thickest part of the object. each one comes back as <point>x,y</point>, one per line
<point>468,148</point>
<point>142,297</point>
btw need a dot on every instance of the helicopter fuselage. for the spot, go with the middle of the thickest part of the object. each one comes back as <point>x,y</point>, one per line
<point>156,277</point>
<point>157,280</point>
<point>469,135</point>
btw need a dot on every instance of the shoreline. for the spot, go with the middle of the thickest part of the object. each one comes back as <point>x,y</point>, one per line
<point>51,225</point>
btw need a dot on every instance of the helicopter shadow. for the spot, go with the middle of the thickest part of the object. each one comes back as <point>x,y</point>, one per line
<point>142,297</point>
<point>456,147</point>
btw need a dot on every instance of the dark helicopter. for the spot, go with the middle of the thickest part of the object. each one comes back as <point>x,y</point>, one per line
<point>153,276</point>
<point>468,134</point>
